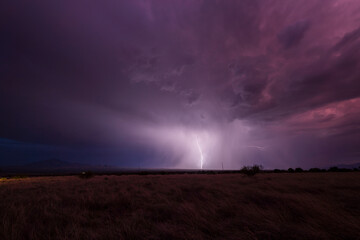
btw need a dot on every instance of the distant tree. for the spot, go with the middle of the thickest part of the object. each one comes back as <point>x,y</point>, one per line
<point>314,170</point>
<point>298,170</point>
<point>251,170</point>
<point>290,170</point>
<point>345,170</point>
<point>257,168</point>
<point>334,169</point>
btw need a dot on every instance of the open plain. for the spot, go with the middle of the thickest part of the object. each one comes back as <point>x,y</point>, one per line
<point>187,206</point>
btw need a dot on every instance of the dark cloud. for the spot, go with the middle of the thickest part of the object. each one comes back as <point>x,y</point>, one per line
<point>126,81</point>
<point>293,34</point>
<point>348,39</point>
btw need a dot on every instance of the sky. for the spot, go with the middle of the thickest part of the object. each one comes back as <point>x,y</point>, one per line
<point>180,84</point>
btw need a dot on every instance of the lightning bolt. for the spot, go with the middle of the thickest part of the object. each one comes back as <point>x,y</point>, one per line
<point>201,153</point>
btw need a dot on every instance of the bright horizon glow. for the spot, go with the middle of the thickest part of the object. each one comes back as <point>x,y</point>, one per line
<point>201,153</point>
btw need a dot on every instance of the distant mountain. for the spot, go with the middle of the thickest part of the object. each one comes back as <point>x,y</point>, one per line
<point>54,164</point>
<point>349,166</point>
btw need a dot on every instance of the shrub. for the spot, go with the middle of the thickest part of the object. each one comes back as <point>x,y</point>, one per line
<point>314,170</point>
<point>251,171</point>
<point>291,170</point>
<point>299,170</point>
<point>334,169</point>
<point>19,177</point>
<point>86,175</point>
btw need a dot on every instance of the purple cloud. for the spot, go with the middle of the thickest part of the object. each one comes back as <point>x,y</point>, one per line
<point>274,83</point>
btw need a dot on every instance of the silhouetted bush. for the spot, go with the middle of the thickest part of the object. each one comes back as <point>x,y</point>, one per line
<point>298,170</point>
<point>251,170</point>
<point>333,169</point>
<point>291,170</point>
<point>86,175</point>
<point>345,170</point>
<point>314,170</point>
<point>336,169</point>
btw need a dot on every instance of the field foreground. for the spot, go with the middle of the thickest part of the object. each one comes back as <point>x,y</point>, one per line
<point>229,206</point>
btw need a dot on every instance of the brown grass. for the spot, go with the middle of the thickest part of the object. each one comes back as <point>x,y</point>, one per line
<point>233,206</point>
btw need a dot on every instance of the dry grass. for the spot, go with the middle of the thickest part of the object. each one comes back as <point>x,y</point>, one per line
<point>234,206</point>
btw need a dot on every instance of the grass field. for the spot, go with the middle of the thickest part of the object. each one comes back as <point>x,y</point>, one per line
<point>222,206</point>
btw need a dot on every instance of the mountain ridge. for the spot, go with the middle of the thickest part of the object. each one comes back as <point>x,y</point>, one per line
<point>54,163</point>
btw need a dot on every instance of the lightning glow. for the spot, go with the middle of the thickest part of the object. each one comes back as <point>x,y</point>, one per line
<point>201,153</point>
<point>257,147</point>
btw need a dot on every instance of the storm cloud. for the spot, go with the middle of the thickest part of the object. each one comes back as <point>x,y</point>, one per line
<point>135,82</point>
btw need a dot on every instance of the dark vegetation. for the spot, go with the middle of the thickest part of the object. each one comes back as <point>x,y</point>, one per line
<point>54,167</point>
<point>188,206</point>
<point>87,174</point>
<point>251,170</point>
